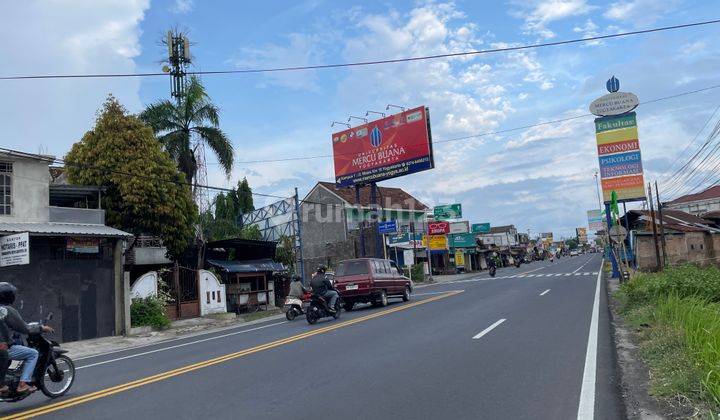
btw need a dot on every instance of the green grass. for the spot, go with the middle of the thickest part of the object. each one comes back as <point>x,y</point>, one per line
<point>678,315</point>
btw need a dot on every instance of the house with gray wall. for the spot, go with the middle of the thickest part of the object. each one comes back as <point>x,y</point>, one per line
<point>75,260</point>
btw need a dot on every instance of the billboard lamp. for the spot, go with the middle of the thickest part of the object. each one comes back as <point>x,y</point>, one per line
<point>341,123</point>
<point>374,112</point>
<point>357,118</point>
<point>402,108</point>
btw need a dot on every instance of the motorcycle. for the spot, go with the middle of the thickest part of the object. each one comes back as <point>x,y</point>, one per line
<point>492,271</point>
<point>294,306</point>
<point>54,372</point>
<point>319,308</point>
<point>517,262</point>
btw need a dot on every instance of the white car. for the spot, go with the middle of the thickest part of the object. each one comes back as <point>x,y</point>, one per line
<point>574,253</point>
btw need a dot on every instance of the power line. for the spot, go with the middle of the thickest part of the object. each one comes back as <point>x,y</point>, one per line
<point>371,62</point>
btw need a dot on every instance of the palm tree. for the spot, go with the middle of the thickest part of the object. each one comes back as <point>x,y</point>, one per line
<point>182,126</point>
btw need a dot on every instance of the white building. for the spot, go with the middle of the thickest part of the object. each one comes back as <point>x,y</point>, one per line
<point>699,203</point>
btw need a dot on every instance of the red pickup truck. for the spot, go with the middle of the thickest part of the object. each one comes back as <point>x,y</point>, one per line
<point>370,280</point>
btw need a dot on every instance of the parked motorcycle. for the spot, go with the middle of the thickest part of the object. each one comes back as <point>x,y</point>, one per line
<point>294,306</point>
<point>319,308</point>
<point>492,271</point>
<point>54,373</point>
<point>517,262</point>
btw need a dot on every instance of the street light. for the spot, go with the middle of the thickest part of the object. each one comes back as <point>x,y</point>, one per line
<point>597,187</point>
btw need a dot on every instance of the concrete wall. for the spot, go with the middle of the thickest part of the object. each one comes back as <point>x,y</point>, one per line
<point>76,215</point>
<point>30,190</point>
<point>324,232</point>
<point>696,247</point>
<point>697,207</point>
<point>212,294</point>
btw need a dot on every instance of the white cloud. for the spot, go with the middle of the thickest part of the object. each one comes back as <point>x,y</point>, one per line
<point>640,12</point>
<point>65,38</point>
<point>182,6</point>
<point>540,13</point>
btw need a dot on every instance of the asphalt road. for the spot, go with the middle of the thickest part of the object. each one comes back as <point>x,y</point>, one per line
<point>510,347</point>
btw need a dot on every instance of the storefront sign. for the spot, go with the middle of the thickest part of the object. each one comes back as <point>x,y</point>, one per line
<point>614,103</point>
<point>438,228</point>
<point>436,242</point>
<point>15,249</point>
<point>595,221</point>
<point>83,245</point>
<point>387,227</point>
<point>462,240</point>
<point>459,258</point>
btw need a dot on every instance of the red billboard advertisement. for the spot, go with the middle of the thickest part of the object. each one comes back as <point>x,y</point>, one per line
<point>438,228</point>
<point>390,147</point>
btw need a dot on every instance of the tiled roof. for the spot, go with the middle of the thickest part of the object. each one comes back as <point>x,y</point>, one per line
<point>61,229</point>
<point>387,196</point>
<point>712,192</point>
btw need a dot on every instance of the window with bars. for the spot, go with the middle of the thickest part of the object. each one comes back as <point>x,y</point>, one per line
<point>6,171</point>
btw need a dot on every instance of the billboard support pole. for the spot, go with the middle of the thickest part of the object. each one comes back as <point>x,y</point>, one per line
<point>362,221</point>
<point>376,210</point>
<point>298,233</point>
<point>613,261</point>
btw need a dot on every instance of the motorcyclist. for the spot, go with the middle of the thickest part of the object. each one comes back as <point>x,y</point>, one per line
<point>491,261</point>
<point>12,321</point>
<point>297,288</point>
<point>321,286</point>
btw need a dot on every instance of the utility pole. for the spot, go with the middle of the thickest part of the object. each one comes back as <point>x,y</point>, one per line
<point>361,224</point>
<point>298,234</point>
<point>662,225</point>
<point>654,227</point>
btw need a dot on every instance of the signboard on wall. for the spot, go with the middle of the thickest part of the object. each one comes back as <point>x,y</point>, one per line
<point>459,258</point>
<point>436,242</point>
<point>387,148</point>
<point>462,240</point>
<point>83,245</point>
<point>619,157</point>
<point>460,227</point>
<point>387,227</point>
<point>15,249</point>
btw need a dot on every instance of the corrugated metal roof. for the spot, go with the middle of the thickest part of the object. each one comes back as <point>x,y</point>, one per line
<point>52,228</point>
<point>252,266</point>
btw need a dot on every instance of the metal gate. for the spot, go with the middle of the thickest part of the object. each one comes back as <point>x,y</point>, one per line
<point>181,283</point>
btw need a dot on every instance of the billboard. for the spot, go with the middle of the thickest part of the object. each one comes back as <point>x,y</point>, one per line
<point>15,249</point>
<point>436,242</point>
<point>595,220</point>
<point>460,227</point>
<point>462,240</point>
<point>619,157</point>
<point>387,148</point>
<point>581,235</point>
<point>481,227</point>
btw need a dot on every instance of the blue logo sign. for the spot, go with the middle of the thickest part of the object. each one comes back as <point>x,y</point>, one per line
<point>376,137</point>
<point>613,85</point>
<point>387,227</point>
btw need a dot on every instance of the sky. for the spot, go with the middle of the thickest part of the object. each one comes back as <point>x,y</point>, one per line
<point>540,179</point>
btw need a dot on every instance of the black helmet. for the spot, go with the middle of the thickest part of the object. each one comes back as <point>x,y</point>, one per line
<point>7,293</point>
<point>321,269</point>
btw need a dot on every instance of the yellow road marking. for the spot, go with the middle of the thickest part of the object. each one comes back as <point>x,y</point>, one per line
<point>185,369</point>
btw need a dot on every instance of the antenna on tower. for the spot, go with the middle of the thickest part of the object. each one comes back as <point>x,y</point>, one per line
<point>178,59</point>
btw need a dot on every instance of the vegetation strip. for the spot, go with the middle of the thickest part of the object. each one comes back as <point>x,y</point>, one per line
<point>179,371</point>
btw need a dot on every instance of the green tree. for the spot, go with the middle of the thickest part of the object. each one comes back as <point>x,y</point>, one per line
<point>572,243</point>
<point>243,197</point>
<point>285,253</point>
<point>145,193</point>
<point>181,127</point>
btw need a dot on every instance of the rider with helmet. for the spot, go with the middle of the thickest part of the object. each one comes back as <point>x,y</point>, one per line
<point>13,322</point>
<point>321,286</point>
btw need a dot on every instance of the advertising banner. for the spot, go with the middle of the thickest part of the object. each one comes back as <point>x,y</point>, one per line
<point>581,235</point>
<point>595,220</point>
<point>449,211</point>
<point>459,258</point>
<point>438,228</point>
<point>436,242</point>
<point>15,249</point>
<point>481,228</point>
<point>462,240</point>
<point>83,245</point>
<point>460,227</point>
<point>619,157</point>
<point>387,148</point>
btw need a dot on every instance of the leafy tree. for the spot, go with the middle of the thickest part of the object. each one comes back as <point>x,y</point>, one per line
<point>243,197</point>
<point>145,193</point>
<point>572,243</point>
<point>194,117</point>
<point>285,253</point>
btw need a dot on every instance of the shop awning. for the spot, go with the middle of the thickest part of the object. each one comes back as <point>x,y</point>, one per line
<point>250,266</point>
